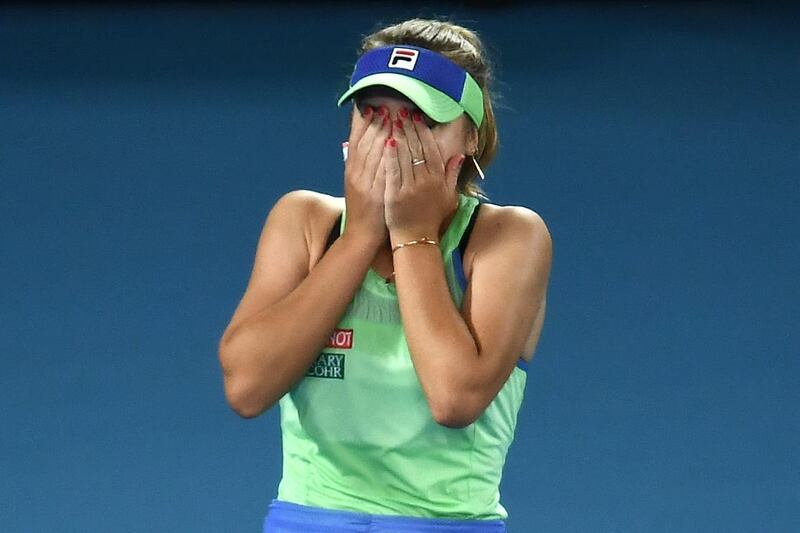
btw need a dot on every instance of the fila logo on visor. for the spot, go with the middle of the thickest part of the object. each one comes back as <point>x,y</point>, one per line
<point>403,58</point>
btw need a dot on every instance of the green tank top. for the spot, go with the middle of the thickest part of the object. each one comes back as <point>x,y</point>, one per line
<point>358,434</point>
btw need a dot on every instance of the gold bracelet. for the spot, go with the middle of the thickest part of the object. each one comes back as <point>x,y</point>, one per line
<point>423,240</point>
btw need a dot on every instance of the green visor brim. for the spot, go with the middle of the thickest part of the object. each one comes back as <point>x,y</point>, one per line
<point>434,103</point>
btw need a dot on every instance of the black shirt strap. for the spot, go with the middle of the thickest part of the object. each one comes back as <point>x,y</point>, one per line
<point>334,233</point>
<point>462,245</point>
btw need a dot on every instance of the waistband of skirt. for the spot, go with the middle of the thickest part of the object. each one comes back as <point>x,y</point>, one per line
<point>284,516</point>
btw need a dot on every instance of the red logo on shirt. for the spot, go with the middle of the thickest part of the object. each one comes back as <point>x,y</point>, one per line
<point>341,338</point>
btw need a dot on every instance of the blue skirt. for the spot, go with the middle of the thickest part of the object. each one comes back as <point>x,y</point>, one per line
<point>285,517</point>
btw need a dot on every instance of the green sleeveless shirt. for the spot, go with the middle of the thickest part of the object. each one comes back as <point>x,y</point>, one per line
<point>358,434</point>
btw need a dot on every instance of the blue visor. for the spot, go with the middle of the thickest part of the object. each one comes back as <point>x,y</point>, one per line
<point>441,88</point>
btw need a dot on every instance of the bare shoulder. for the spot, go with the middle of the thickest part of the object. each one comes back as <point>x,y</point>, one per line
<point>507,264</point>
<point>501,227</point>
<point>510,218</point>
<point>304,202</point>
<point>316,212</point>
<point>312,208</point>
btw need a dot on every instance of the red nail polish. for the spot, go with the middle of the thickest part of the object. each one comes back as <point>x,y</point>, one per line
<point>404,112</point>
<point>398,123</point>
<point>388,141</point>
<point>367,111</point>
<point>383,111</point>
<point>417,116</point>
<point>392,142</point>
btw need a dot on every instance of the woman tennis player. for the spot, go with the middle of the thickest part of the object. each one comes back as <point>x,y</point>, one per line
<point>394,325</point>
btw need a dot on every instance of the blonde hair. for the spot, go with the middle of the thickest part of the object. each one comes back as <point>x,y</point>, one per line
<point>463,47</point>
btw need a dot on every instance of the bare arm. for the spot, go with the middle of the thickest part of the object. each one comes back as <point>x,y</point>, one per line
<point>464,358</point>
<point>287,313</point>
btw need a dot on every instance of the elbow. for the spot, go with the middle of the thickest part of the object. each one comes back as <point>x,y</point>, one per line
<point>455,411</point>
<point>240,393</point>
<point>246,413</point>
<point>242,399</point>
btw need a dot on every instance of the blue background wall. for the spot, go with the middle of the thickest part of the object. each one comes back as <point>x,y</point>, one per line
<point>141,149</point>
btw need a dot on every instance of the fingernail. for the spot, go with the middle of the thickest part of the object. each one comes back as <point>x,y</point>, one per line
<point>404,112</point>
<point>417,116</point>
<point>398,123</point>
<point>392,142</point>
<point>388,142</point>
<point>367,111</point>
<point>383,110</point>
<point>461,161</point>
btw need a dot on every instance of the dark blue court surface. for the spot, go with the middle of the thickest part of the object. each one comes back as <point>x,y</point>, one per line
<point>142,147</point>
